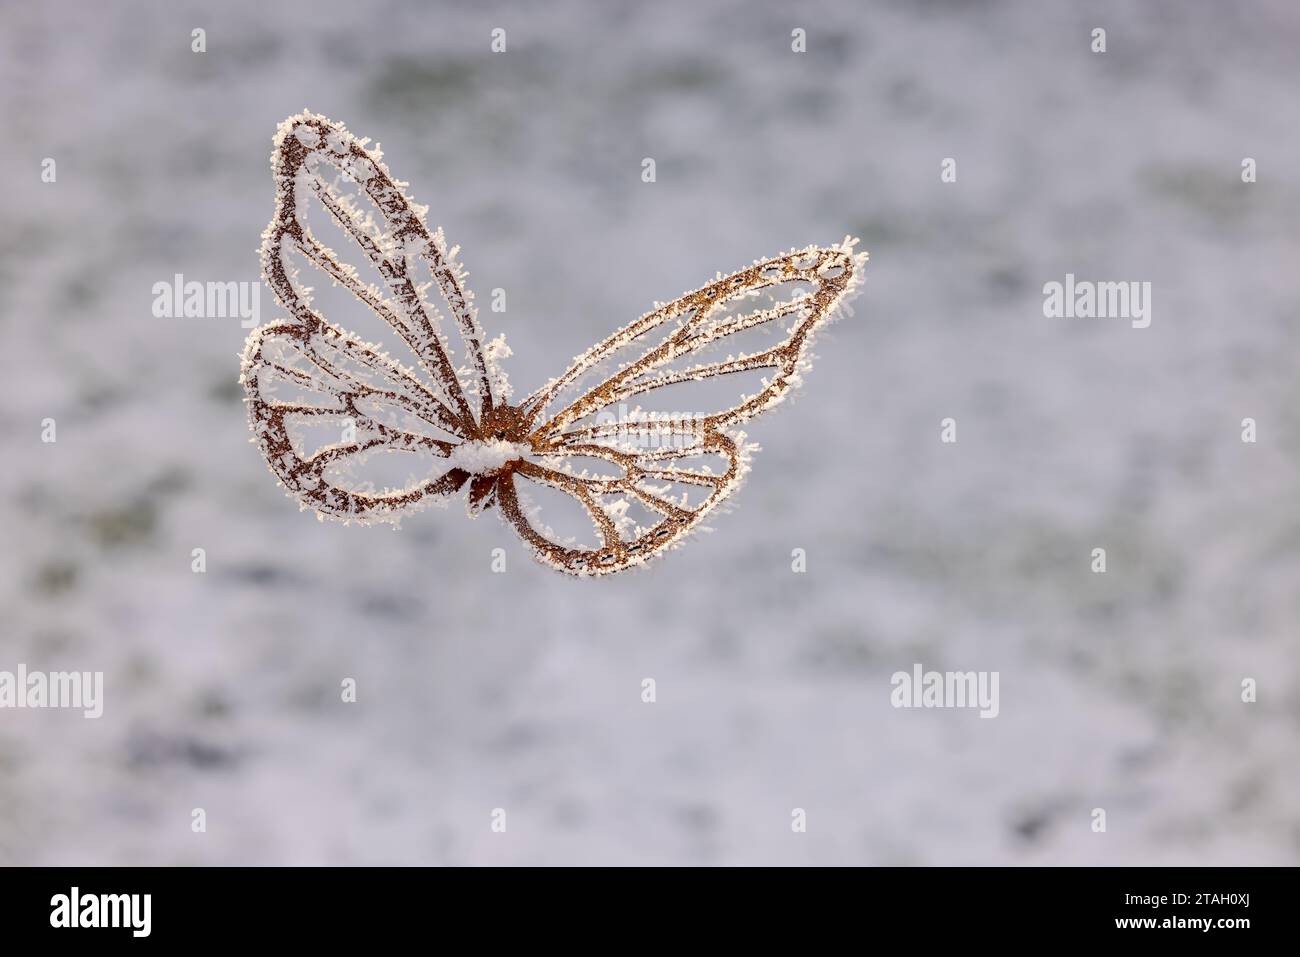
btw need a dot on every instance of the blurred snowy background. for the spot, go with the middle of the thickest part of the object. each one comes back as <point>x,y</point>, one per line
<point>522,690</point>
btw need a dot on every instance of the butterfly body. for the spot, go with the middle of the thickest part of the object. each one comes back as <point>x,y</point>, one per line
<point>649,478</point>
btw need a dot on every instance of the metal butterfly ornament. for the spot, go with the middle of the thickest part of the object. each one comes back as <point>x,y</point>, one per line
<point>448,411</point>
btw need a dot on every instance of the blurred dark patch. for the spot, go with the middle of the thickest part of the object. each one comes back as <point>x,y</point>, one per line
<point>255,48</point>
<point>569,813</point>
<point>908,98</point>
<point>993,399</point>
<point>121,526</point>
<point>172,481</point>
<point>199,69</point>
<point>171,237</point>
<point>226,390</point>
<point>682,76</point>
<point>424,533</point>
<point>99,397</point>
<point>1245,359</point>
<point>150,749</point>
<point>386,807</point>
<point>25,241</point>
<point>878,231</point>
<point>697,818</point>
<point>834,48</point>
<point>408,87</point>
<point>1006,282</point>
<point>941,560</point>
<point>317,692</point>
<point>136,521</point>
<point>808,104</point>
<point>1102,610</point>
<point>496,216</point>
<point>723,643</point>
<point>139,671</point>
<point>493,694</point>
<point>840,649</point>
<point>1179,696</point>
<point>199,160</point>
<point>1043,554</point>
<point>1219,195</point>
<point>1031,824</point>
<point>931,7</point>
<point>56,577</point>
<point>1245,793</point>
<point>52,642</point>
<point>340,48</point>
<point>390,605</point>
<point>261,574</point>
<point>1138,759</point>
<point>10,761</point>
<point>77,293</point>
<point>212,704</point>
<point>515,738</point>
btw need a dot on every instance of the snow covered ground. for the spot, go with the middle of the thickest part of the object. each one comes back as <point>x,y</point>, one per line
<point>522,690</point>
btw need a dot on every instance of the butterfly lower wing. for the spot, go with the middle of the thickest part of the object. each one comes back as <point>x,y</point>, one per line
<point>643,479</point>
<point>651,453</point>
<point>322,406</point>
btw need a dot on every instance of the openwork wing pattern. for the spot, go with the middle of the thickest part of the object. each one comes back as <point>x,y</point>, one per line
<point>305,375</point>
<point>638,480</point>
<point>657,460</point>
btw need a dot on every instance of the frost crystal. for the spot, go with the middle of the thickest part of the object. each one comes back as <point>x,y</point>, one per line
<point>479,457</point>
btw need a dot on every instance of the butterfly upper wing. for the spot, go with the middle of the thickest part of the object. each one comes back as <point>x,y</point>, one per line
<point>305,372</point>
<point>643,461</point>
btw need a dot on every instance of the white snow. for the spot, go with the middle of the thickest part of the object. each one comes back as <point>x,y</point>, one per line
<point>484,458</point>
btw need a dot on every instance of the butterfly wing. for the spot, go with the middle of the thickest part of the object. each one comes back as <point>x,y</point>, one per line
<point>304,375</point>
<point>670,468</point>
<point>323,406</point>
